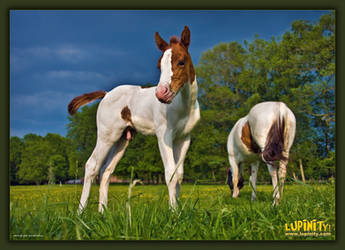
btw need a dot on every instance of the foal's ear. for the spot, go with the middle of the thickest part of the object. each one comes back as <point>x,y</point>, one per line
<point>185,37</point>
<point>161,44</point>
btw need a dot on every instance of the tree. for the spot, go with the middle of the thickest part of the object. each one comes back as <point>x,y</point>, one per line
<point>37,159</point>
<point>59,167</point>
<point>16,149</point>
<point>34,167</point>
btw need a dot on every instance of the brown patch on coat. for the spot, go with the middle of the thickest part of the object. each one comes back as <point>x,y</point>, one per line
<point>79,101</point>
<point>126,114</point>
<point>248,140</point>
<point>129,131</point>
<point>274,147</point>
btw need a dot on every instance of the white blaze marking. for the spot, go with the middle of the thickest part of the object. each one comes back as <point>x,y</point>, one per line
<point>166,71</point>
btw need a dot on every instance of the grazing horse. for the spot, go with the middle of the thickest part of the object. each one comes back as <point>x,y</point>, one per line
<point>266,133</point>
<point>170,111</point>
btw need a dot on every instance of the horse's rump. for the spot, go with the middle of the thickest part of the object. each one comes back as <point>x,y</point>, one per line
<point>274,146</point>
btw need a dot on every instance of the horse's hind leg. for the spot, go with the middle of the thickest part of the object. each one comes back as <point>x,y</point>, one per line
<point>92,167</point>
<point>282,171</point>
<point>273,173</point>
<point>254,173</point>
<point>235,174</point>
<point>113,158</point>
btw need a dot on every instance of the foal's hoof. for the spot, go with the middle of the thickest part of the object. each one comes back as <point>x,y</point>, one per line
<point>275,203</point>
<point>235,194</point>
<point>101,208</point>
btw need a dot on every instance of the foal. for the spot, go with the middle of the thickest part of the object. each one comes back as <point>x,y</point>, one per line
<point>170,111</point>
<point>266,133</point>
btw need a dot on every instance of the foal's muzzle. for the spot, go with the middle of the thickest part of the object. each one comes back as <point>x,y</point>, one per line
<point>164,94</point>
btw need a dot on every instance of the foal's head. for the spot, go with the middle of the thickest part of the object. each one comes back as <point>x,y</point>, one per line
<point>175,64</point>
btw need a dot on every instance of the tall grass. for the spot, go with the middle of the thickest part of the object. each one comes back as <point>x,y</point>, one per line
<point>206,212</point>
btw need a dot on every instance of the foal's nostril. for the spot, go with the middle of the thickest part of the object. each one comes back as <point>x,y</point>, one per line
<point>164,94</point>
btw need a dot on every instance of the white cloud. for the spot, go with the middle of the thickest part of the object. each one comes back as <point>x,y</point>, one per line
<point>68,53</point>
<point>71,54</point>
<point>76,75</point>
<point>41,102</point>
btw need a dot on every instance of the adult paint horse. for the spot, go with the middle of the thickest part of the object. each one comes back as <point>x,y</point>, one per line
<point>170,111</point>
<point>266,133</point>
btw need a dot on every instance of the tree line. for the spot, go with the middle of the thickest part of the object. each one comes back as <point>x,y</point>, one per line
<point>297,68</point>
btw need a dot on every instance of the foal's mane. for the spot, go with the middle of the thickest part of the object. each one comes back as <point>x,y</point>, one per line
<point>174,39</point>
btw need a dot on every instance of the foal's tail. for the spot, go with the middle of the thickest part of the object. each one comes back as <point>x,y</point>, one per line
<point>84,99</point>
<point>274,147</point>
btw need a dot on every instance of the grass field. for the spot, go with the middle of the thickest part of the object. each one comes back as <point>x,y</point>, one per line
<point>206,212</point>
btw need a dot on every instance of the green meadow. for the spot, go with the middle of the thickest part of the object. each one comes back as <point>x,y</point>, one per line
<point>205,212</point>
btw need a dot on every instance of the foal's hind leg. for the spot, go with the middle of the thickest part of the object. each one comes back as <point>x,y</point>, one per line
<point>113,158</point>
<point>92,167</point>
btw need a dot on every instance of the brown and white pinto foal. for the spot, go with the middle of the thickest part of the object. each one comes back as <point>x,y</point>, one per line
<point>170,111</point>
<point>266,133</point>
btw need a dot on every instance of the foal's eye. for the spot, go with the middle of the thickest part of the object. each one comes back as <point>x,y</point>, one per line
<point>181,63</point>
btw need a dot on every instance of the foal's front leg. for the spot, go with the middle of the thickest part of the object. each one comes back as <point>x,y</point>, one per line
<point>165,143</point>
<point>181,146</point>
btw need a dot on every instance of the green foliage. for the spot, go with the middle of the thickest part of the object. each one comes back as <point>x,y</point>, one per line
<point>38,154</point>
<point>34,167</point>
<point>16,149</point>
<point>59,167</point>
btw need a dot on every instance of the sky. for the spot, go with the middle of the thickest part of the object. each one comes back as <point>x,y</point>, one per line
<point>58,55</point>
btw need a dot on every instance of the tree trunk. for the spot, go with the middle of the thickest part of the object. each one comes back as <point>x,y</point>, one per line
<point>213,175</point>
<point>301,168</point>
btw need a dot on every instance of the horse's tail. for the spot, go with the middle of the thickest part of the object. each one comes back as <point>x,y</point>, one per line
<point>84,99</point>
<point>274,147</point>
